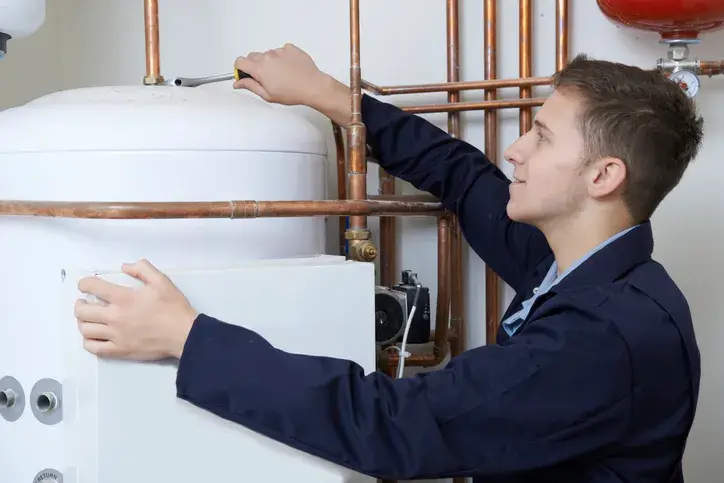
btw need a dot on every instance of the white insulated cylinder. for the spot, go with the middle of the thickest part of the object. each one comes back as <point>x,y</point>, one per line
<point>130,144</point>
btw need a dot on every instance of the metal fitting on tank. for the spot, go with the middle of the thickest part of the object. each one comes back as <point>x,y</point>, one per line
<point>7,398</point>
<point>47,399</point>
<point>361,248</point>
<point>12,399</point>
<point>153,80</point>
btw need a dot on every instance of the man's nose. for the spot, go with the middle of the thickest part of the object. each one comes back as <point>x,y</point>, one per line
<point>513,154</point>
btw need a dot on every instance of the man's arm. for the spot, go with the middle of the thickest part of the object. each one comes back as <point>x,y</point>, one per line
<point>558,390</point>
<point>461,176</point>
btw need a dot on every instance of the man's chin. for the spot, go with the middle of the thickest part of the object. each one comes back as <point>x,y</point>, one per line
<point>515,213</point>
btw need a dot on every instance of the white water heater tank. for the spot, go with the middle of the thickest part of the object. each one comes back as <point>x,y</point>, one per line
<point>150,144</point>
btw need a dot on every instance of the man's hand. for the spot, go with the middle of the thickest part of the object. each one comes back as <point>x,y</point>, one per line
<point>289,76</point>
<point>286,75</point>
<point>146,323</point>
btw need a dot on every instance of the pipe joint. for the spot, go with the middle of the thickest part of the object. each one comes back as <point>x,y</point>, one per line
<point>153,80</point>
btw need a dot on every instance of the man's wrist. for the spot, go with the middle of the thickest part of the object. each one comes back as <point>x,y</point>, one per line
<point>332,99</point>
<point>182,332</point>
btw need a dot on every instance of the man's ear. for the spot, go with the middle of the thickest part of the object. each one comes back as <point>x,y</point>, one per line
<point>605,176</point>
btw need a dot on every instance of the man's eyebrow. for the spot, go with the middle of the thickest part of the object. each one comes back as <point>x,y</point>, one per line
<point>541,125</point>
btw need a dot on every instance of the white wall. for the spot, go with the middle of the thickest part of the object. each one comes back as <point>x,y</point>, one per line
<point>403,42</point>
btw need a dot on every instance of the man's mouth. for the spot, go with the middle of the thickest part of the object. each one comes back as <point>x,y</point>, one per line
<point>518,181</point>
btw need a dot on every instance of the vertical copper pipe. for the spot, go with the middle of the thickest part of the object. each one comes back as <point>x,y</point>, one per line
<point>153,57</point>
<point>457,309</point>
<point>525,28</point>
<point>356,130</point>
<point>453,62</point>
<point>388,235</point>
<point>561,34</point>
<point>341,181</point>
<point>492,285</point>
<point>442,316</point>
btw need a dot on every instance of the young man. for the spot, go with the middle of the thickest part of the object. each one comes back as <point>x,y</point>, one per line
<point>595,376</point>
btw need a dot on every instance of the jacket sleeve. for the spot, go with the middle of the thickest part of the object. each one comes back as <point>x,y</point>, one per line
<point>550,394</point>
<point>463,178</point>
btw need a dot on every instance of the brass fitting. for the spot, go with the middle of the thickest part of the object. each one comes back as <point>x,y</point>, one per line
<point>361,248</point>
<point>152,80</point>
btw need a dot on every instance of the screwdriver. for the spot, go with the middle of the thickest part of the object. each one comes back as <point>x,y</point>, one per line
<point>197,81</point>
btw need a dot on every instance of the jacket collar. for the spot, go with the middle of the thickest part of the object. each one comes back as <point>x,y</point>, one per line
<point>613,260</point>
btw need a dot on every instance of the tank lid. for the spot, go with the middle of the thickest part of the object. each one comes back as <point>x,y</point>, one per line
<point>147,118</point>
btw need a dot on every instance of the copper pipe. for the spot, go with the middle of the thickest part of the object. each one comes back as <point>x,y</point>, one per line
<point>153,56</point>
<point>455,86</point>
<point>426,198</point>
<point>561,34</point>
<point>525,62</point>
<point>474,106</point>
<point>341,182</point>
<point>442,319</point>
<point>356,144</point>
<point>711,68</point>
<point>456,246</point>
<point>492,284</point>
<point>388,235</point>
<point>455,295</point>
<point>214,209</point>
<point>453,64</point>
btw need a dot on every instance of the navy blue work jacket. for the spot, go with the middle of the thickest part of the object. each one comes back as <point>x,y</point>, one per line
<point>598,386</point>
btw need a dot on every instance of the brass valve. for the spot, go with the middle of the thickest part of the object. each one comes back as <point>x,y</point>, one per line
<point>361,248</point>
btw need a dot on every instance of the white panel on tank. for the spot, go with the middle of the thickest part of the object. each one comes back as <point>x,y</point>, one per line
<point>122,421</point>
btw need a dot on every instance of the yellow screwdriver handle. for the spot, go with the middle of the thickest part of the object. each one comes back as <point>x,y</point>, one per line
<point>239,74</point>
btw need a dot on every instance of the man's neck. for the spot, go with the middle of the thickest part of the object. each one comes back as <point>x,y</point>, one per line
<point>573,239</point>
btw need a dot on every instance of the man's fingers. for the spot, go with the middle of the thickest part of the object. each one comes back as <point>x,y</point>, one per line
<point>91,312</point>
<point>253,86</point>
<point>99,347</point>
<point>249,64</point>
<point>101,288</point>
<point>144,271</point>
<point>98,332</point>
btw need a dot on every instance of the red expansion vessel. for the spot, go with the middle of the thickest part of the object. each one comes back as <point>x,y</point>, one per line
<point>673,19</point>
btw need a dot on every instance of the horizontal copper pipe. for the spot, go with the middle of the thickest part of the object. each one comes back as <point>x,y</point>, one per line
<point>214,209</point>
<point>423,198</point>
<point>474,106</point>
<point>710,68</point>
<point>455,86</point>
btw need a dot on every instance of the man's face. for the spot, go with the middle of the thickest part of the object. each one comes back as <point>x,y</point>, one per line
<point>549,181</point>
